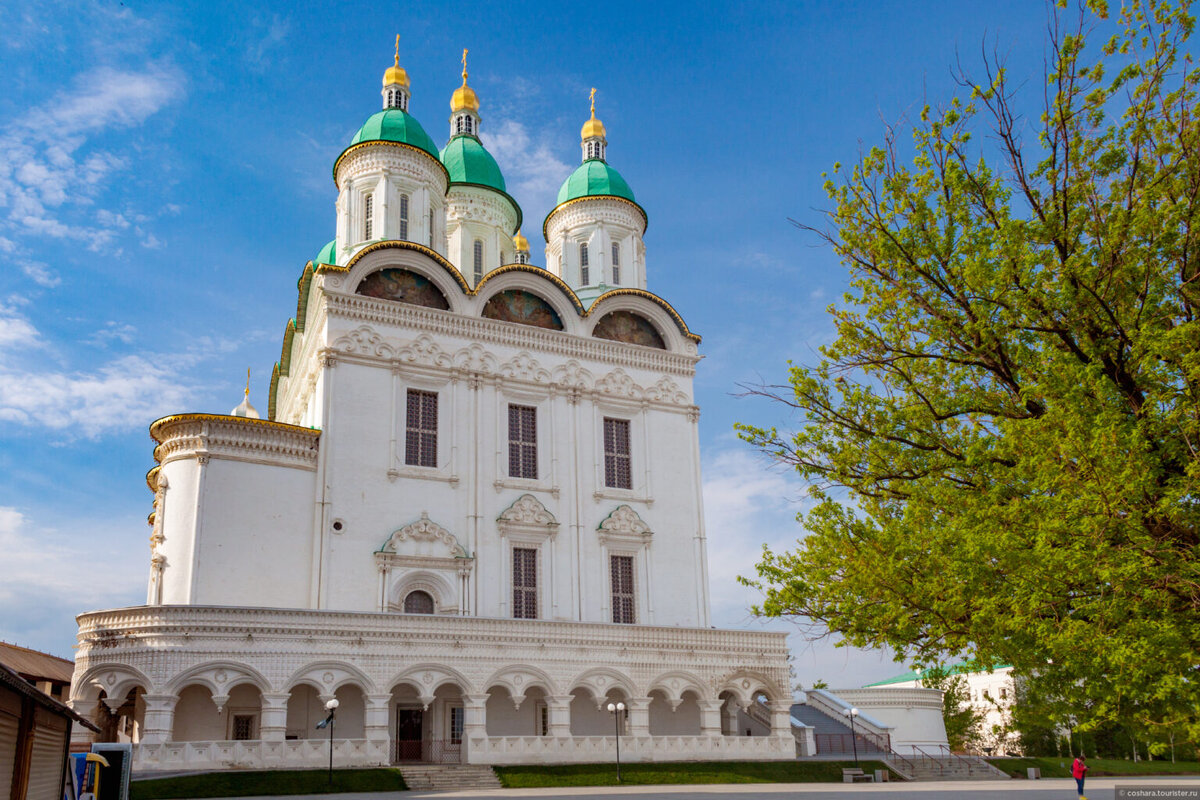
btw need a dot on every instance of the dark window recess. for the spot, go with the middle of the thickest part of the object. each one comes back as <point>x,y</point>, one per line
<point>420,444</point>
<point>621,568</point>
<point>524,581</point>
<point>418,602</point>
<point>617,472</point>
<point>522,442</point>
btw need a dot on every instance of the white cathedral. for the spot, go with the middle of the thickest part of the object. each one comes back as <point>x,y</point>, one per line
<point>472,515</point>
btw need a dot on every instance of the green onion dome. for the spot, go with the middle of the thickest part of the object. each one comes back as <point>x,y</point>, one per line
<point>394,125</point>
<point>328,254</point>
<point>468,161</point>
<point>594,178</point>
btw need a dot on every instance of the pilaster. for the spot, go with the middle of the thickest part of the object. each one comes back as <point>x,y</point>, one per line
<point>639,716</point>
<point>272,725</point>
<point>559,708</point>
<point>375,718</point>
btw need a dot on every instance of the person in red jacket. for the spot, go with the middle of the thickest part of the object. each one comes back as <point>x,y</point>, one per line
<point>1079,770</point>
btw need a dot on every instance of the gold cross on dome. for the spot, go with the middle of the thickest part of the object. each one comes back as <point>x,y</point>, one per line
<point>464,60</point>
<point>397,49</point>
<point>592,97</point>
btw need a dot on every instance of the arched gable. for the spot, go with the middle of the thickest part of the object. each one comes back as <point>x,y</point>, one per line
<point>114,679</point>
<point>522,307</point>
<point>619,299</point>
<point>219,677</point>
<point>630,327</point>
<point>518,678</point>
<point>538,274</point>
<point>376,255</point>
<point>329,676</point>
<point>403,285</point>
<point>427,678</point>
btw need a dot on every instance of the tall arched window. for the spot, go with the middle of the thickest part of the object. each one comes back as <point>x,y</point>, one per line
<point>478,258</point>
<point>616,250</point>
<point>404,216</point>
<point>431,227</point>
<point>583,264</point>
<point>418,602</point>
<point>368,216</point>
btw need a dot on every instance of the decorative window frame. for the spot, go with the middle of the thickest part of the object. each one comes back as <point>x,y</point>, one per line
<point>541,400</point>
<point>639,450</point>
<point>445,578</point>
<point>444,387</point>
<point>624,533</point>
<point>529,524</point>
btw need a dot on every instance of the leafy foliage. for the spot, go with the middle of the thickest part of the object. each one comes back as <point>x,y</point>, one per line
<point>1002,440</point>
<point>962,719</point>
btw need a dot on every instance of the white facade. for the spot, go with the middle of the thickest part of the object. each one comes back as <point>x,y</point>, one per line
<point>474,518</point>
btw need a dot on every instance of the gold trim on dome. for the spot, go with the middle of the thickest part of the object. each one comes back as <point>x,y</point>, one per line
<point>553,211</point>
<point>683,327</point>
<point>159,424</point>
<point>151,479</point>
<point>150,518</point>
<point>387,143</point>
<point>542,273</point>
<point>404,244</point>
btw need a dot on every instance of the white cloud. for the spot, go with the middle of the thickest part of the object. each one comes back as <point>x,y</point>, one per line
<point>51,575</point>
<point>15,329</point>
<point>113,331</point>
<point>41,274</point>
<point>46,166</point>
<point>530,167</point>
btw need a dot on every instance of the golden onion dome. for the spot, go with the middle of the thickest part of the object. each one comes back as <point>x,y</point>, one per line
<point>396,73</point>
<point>593,128</point>
<point>521,243</point>
<point>464,98</point>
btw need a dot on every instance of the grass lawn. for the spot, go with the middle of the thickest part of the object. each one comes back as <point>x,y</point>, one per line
<point>1060,767</point>
<point>524,777</point>
<point>268,782</point>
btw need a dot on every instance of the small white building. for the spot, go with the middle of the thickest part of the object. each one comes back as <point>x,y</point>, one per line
<point>473,512</point>
<point>992,694</point>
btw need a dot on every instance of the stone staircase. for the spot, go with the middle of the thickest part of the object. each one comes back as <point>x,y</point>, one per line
<point>823,724</point>
<point>448,777</point>
<point>946,768</point>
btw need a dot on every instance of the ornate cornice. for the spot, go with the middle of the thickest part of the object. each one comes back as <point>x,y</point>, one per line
<point>403,244</point>
<point>355,148</point>
<point>569,203</point>
<point>234,438</point>
<point>651,296</point>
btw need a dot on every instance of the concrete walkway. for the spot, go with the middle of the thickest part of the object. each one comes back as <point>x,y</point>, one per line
<point>1048,789</point>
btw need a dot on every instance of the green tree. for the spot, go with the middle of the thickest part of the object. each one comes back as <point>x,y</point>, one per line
<point>1002,439</point>
<point>962,719</point>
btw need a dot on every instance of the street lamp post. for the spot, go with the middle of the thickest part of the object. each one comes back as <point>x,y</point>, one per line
<point>330,706</point>
<point>616,709</point>
<point>852,713</point>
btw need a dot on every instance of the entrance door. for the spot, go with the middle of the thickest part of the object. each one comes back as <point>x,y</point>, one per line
<point>409,726</point>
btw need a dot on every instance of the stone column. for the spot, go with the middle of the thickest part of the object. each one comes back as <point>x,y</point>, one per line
<point>474,726</point>
<point>375,716</point>
<point>272,727</point>
<point>87,710</point>
<point>710,717</point>
<point>639,716</point>
<point>159,719</point>
<point>559,708</point>
<point>781,718</point>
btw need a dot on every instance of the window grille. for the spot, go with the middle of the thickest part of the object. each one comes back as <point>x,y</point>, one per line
<point>583,264</point>
<point>478,260</point>
<point>469,124</point>
<point>543,719</point>
<point>616,263</point>
<point>243,727</point>
<point>368,216</point>
<point>456,724</point>
<point>621,568</point>
<point>404,217</point>
<point>458,124</point>
<point>420,445</point>
<point>522,258</point>
<point>418,602</point>
<point>617,471</point>
<point>524,580</point>
<point>522,442</point>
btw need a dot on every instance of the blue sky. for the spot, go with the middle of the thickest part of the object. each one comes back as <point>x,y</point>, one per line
<point>165,174</point>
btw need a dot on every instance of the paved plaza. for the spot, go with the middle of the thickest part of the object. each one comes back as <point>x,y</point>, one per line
<point>1050,789</point>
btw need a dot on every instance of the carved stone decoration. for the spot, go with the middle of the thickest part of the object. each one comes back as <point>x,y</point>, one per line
<point>525,367</point>
<point>572,376</point>
<point>527,517</point>
<point>667,391</point>
<point>424,351</point>
<point>475,359</point>
<point>424,530</point>
<point>624,524</point>
<point>618,384</point>
<point>528,510</point>
<point>364,341</point>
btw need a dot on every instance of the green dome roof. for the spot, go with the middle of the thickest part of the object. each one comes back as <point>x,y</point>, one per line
<point>594,177</point>
<point>468,161</point>
<point>328,254</point>
<point>394,125</point>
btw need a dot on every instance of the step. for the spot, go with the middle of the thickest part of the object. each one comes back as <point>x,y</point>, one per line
<point>440,777</point>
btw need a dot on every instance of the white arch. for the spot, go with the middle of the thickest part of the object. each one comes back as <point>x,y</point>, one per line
<point>114,679</point>
<point>518,678</point>
<point>339,673</point>
<point>437,584</point>
<point>674,683</point>
<point>219,677</point>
